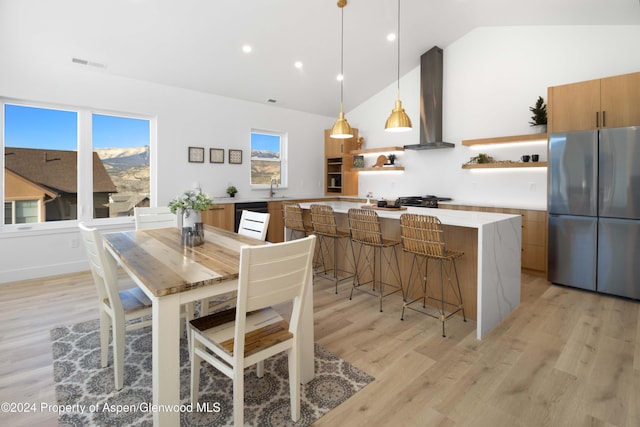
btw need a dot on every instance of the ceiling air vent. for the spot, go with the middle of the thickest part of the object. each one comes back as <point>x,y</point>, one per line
<point>88,63</point>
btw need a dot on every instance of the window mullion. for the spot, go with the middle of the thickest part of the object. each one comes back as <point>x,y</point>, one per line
<point>85,166</point>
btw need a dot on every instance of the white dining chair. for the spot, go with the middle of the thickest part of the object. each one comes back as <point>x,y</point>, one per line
<point>121,310</point>
<point>254,224</point>
<point>251,332</point>
<point>156,217</point>
<point>117,308</point>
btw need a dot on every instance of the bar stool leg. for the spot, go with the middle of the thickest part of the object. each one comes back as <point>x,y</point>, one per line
<point>455,270</point>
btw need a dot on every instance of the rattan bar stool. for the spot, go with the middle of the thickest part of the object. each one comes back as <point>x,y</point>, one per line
<point>324,226</point>
<point>293,221</point>
<point>423,236</point>
<point>365,231</point>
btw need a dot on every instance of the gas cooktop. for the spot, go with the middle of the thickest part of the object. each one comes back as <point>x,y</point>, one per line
<point>427,201</point>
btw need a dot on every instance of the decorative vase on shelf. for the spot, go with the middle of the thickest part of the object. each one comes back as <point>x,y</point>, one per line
<point>539,128</point>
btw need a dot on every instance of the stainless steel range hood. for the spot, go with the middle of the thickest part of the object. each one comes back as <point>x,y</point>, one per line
<point>431,102</point>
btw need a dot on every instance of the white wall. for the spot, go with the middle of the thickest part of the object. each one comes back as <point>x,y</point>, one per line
<point>491,78</point>
<point>184,118</point>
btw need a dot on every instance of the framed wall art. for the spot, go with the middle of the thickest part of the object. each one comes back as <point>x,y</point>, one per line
<point>235,157</point>
<point>196,154</point>
<point>216,155</point>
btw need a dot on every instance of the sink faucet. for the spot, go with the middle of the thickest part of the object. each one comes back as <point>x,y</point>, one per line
<point>271,192</point>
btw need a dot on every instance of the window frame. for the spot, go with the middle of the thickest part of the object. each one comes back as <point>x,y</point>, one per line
<point>284,165</point>
<point>85,206</point>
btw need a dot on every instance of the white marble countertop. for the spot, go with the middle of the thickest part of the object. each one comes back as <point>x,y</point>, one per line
<point>524,206</point>
<point>458,218</point>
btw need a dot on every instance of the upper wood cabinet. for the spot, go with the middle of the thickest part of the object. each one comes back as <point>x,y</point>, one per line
<point>620,100</point>
<point>338,147</point>
<point>594,104</point>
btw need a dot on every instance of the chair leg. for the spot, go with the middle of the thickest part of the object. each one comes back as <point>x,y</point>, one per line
<point>118,331</point>
<point>196,361</point>
<point>105,327</point>
<point>260,369</point>
<point>455,270</point>
<point>442,298</point>
<point>294,382</point>
<point>238,396</point>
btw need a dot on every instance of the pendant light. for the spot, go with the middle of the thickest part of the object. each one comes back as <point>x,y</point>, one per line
<point>341,129</point>
<point>398,121</point>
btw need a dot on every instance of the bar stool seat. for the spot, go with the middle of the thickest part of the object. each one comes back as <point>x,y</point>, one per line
<point>423,236</point>
<point>324,226</point>
<point>365,231</point>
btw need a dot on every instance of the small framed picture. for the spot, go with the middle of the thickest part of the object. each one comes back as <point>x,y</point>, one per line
<point>235,157</point>
<point>196,154</point>
<point>216,155</point>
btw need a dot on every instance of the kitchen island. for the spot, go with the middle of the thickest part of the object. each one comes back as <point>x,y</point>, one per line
<point>489,271</point>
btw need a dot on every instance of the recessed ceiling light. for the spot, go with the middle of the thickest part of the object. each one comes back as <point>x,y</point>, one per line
<point>298,64</point>
<point>340,77</point>
<point>391,37</point>
<point>246,48</point>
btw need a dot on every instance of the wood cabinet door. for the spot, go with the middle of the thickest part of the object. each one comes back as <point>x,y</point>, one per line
<point>575,106</point>
<point>620,100</point>
<point>221,216</point>
<point>275,233</point>
<point>333,147</point>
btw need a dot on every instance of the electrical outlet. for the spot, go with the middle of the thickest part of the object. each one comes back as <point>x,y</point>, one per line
<point>74,243</point>
<point>532,186</point>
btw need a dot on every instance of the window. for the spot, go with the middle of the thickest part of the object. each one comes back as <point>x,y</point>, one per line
<point>50,160</point>
<point>268,158</point>
<point>122,145</point>
<point>21,211</point>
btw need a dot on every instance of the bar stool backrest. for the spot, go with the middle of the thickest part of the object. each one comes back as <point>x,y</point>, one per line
<point>323,220</point>
<point>364,226</point>
<point>293,217</point>
<point>422,234</point>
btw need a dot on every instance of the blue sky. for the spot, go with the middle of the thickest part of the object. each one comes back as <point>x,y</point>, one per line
<point>260,141</point>
<point>29,127</point>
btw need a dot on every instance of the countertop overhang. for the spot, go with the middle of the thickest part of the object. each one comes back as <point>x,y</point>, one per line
<point>459,218</point>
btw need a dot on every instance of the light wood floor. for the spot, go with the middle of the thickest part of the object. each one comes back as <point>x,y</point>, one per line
<point>563,358</point>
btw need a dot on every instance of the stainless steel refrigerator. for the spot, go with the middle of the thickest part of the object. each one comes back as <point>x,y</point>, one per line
<point>594,210</point>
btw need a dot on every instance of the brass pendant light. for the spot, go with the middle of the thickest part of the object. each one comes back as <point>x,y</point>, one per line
<point>341,129</point>
<point>398,121</point>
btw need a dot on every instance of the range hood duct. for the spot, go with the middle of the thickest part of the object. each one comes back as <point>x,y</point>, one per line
<point>431,102</point>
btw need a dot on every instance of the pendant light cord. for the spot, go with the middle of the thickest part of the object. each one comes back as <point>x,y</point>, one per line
<point>341,55</point>
<point>398,49</point>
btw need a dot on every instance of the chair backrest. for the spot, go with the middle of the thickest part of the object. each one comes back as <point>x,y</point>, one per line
<point>159,217</point>
<point>323,220</point>
<point>364,226</point>
<point>270,275</point>
<point>254,224</point>
<point>422,234</point>
<point>293,216</point>
<point>103,275</point>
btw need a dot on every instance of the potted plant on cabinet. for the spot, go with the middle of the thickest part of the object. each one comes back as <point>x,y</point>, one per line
<point>539,118</point>
<point>231,191</point>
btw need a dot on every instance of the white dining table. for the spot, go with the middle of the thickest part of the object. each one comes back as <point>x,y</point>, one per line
<point>171,275</point>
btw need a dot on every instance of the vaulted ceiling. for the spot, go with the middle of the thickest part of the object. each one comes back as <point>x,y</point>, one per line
<point>197,44</point>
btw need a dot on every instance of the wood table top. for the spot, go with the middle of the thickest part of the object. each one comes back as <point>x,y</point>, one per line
<point>165,267</point>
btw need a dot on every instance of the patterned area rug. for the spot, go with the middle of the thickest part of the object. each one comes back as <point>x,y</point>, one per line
<point>81,382</point>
